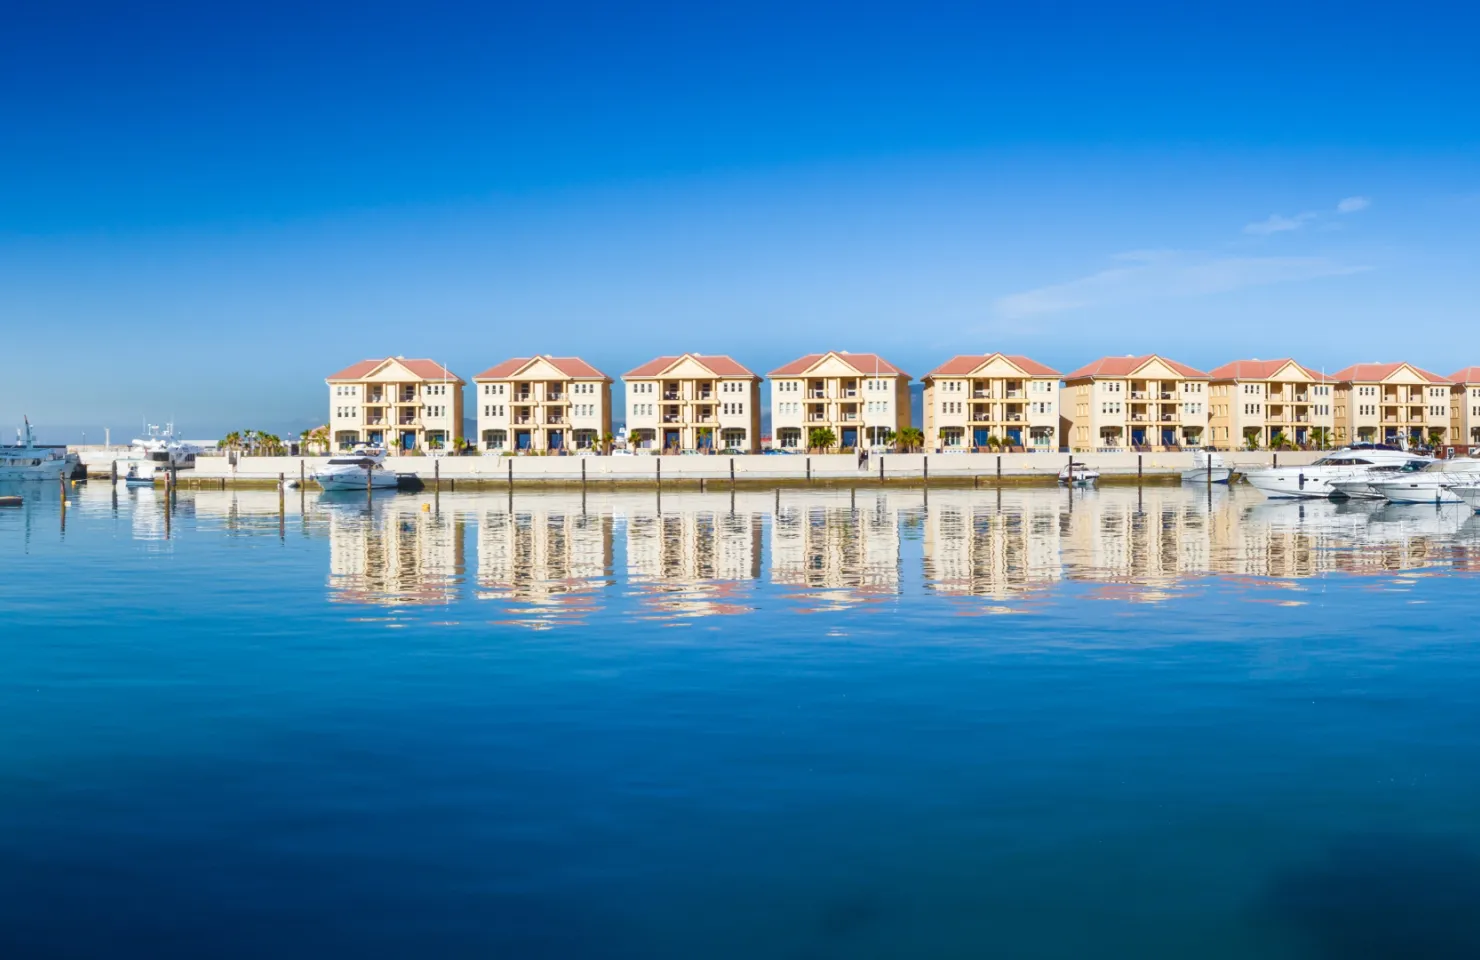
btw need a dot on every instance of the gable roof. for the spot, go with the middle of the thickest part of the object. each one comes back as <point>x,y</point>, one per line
<point>1126,366</point>
<point>573,367</point>
<point>1262,370</point>
<point>426,369</point>
<point>718,364</point>
<point>1373,372</point>
<point>864,363</point>
<point>965,363</point>
<point>1467,375</point>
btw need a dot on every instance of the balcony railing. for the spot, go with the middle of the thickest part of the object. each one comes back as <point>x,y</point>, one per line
<point>1014,394</point>
<point>406,422</point>
<point>1138,394</point>
<point>526,419</point>
<point>671,418</point>
<point>671,395</point>
<point>816,418</point>
<point>850,393</point>
<point>982,395</point>
<point>1168,395</point>
<point>555,418</point>
<point>817,394</point>
<point>375,421</point>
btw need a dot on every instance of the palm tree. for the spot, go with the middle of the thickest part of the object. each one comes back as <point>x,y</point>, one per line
<point>607,440</point>
<point>821,438</point>
<point>1251,438</point>
<point>911,438</point>
<point>1320,436</point>
<point>462,445</point>
<point>1278,441</point>
<point>992,441</point>
<point>232,441</point>
<point>1436,437</point>
<point>315,439</point>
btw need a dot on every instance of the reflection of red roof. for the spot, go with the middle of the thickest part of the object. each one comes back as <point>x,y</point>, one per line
<point>573,367</point>
<point>1261,370</point>
<point>425,369</point>
<point>719,364</point>
<point>1125,366</point>
<point>960,366</point>
<point>1467,375</point>
<point>1372,372</point>
<point>864,363</point>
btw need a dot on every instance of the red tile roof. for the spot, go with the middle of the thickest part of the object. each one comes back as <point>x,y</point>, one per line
<point>425,369</point>
<point>1467,375</point>
<point>1261,369</point>
<point>573,367</point>
<point>721,365</point>
<point>963,364</point>
<point>1125,366</point>
<point>864,363</point>
<point>1373,372</point>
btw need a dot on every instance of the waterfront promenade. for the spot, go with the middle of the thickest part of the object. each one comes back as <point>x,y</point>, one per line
<point>974,469</point>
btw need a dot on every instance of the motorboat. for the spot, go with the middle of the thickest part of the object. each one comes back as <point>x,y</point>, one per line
<point>137,475</point>
<point>1314,481</point>
<point>1432,484</point>
<point>1078,475</point>
<point>1207,467</point>
<point>1359,486</point>
<point>356,470</point>
<point>1469,495</point>
<point>158,449</point>
<point>27,461</point>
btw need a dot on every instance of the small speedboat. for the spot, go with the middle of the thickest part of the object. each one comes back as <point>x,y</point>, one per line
<point>358,469</point>
<point>1207,466</point>
<point>1078,475</point>
<point>138,476</point>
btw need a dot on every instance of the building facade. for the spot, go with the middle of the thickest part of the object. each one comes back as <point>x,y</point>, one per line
<point>1394,403</point>
<point>972,402</point>
<point>1258,403</point>
<point>543,404</point>
<point>395,403</point>
<point>1464,408</point>
<point>861,397</point>
<point>692,401</point>
<point>1147,402</point>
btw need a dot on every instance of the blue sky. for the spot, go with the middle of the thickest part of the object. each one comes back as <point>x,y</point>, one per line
<point>205,209</point>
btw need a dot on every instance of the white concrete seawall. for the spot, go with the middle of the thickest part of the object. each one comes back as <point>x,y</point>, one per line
<point>782,469</point>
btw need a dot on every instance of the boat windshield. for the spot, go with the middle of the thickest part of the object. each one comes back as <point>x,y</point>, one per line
<point>350,461</point>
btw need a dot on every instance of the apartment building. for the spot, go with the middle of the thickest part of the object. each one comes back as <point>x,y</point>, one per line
<point>543,404</point>
<point>693,402</point>
<point>1464,407</point>
<point>972,401</point>
<point>1257,402</point>
<point>861,397</point>
<point>396,403</point>
<point>1147,402</point>
<point>1393,403</point>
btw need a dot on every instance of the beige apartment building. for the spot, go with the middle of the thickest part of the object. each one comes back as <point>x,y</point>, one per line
<point>543,404</point>
<point>1464,408</point>
<point>1148,402</point>
<point>1393,403</point>
<point>861,397</point>
<point>695,402</point>
<point>973,401</point>
<point>1254,402</point>
<point>395,403</point>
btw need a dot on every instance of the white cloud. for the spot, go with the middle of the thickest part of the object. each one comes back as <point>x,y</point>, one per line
<point>1166,274</point>
<point>1353,205</point>
<point>1279,224</point>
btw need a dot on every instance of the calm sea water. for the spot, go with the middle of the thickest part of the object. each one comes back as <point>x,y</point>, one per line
<point>1112,724</point>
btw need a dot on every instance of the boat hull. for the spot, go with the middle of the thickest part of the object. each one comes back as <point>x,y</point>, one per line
<point>1200,475</point>
<point>1469,496</point>
<point>45,470</point>
<point>379,480</point>
<point>1410,492</point>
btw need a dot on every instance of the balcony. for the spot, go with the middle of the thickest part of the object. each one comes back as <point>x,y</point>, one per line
<point>555,418</point>
<point>525,420</point>
<point>375,421</point>
<point>376,397</point>
<point>1138,418</point>
<point>1168,395</point>
<point>1138,395</point>
<point>407,422</point>
<point>554,396</point>
<point>1014,394</point>
<point>1302,398</point>
<point>849,394</point>
<point>1013,418</point>
<point>817,394</point>
<point>1168,418</point>
<point>981,395</point>
<point>816,418</point>
<point>671,395</point>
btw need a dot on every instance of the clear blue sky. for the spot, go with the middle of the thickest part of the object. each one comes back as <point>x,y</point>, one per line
<point>206,209</point>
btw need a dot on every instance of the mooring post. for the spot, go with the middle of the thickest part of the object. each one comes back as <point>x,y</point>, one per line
<point>583,475</point>
<point>881,468</point>
<point>1276,460</point>
<point>999,469</point>
<point>658,466</point>
<point>925,460</point>
<point>1138,470</point>
<point>113,473</point>
<point>809,469</point>
<point>437,475</point>
<point>302,473</point>
<point>732,473</point>
<point>511,474</point>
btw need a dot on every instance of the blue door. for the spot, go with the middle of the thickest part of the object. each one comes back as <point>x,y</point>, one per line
<point>408,440</point>
<point>1015,437</point>
<point>557,439</point>
<point>979,436</point>
<point>850,436</point>
<point>670,439</point>
<point>1138,437</point>
<point>1169,438</point>
<point>377,438</point>
<point>521,440</point>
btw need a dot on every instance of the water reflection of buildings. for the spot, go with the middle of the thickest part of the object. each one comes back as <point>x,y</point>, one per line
<point>546,556</point>
<point>840,548</point>
<point>995,545</point>
<point>393,553</point>
<point>694,555</point>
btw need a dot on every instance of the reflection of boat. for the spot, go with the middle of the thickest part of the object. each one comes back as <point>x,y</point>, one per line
<point>1314,481</point>
<point>27,461</point>
<point>1078,475</point>
<point>1432,484</point>
<point>356,471</point>
<point>1470,495</point>
<point>1205,462</point>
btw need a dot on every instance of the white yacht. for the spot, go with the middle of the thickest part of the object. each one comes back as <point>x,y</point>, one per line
<point>1359,486</point>
<point>1204,463</point>
<point>1078,475</point>
<point>355,469</point>
<point>27,461</point>
<point>157,450</point>
<point>1432,484</point>
<point>1469,494</point>
<point>1314,482</point>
